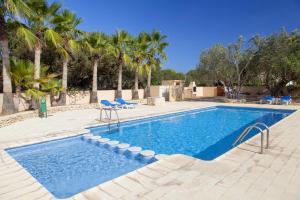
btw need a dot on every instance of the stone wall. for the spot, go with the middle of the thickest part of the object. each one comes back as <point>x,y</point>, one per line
<point>159,91</point>
<point>200,92</point>
<point>209,91</point>
<point>255,90</point>
<point>78,98</point>
<point>169,92</point>
<point>1,102</point>
<point>215,91</point>
<point>106,95</point>
<point>127,94</point>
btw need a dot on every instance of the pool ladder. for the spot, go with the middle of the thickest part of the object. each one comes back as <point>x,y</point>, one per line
<point>258,126</point>
<point>110,109</point>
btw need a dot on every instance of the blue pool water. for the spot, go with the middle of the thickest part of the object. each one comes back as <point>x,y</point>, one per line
<point>69,166</point>
<point>203,133</point>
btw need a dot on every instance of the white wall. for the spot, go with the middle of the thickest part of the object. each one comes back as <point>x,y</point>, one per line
<point>80,97</point>
<point>154,91</point>
<point>106,94</point>
<point>141,93</point>
<point>200,92</point>
<point>209,91</point>
<point>159,91</point>
<point>127,94</point>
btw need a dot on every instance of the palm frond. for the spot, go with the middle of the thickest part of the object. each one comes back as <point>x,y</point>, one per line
<point>62,51</point>
<point>74,46</point>
<point>36,94</point>
<point>17,8</point>
<point>53,37</point>
<point>53,9</point>
<point>127,59</point>
<point>27,36</point>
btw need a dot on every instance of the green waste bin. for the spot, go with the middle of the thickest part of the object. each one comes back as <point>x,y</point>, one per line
<point>43,107</point>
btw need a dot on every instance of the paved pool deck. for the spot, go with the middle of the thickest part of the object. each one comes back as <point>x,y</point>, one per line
<point>242,173</point>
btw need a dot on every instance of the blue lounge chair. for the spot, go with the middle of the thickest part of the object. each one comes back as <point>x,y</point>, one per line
<point>269,99</point>
<point>108,104</point>
<point>125,104</point>
<point>286,99</point>
<point>105,106</point>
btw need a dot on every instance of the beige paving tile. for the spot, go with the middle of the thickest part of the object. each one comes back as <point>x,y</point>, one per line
<point>130,184</point>
<point>17,185</point>
<point>210,194</point>
<point>114,189</point>
<point>96,194</point>
<point>37,195</point>
<point>79,197</point>
<point>150,173</point>
<point>160,192</point>
<point>146,182</point>
<point>177,192</point>
<point>22,191</point>
<point>14,178</point>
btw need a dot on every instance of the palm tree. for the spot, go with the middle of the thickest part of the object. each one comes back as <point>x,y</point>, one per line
<point>51,85</point>
<point>9,10</point>
<point>157,54</point>
<point>151,64</point>
<point>66,25</point>
<point>120,47</point>
<point>22,76</point>
<point>139,53</point>
<point>96,43</point>
<point>40,26</point>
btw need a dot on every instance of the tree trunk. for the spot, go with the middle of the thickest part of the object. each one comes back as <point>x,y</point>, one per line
<point>147,94</point>
<point>94,98</point>
<point>237,89</point>
<point>37,64</point>
<point>119,90</point>
<point>8,106</point>
<point>37,72</point>
<point>226,89</point>
<point>277,88</point>
<point>53,101</point>
<point>135,93</point>
<point>63,95</point>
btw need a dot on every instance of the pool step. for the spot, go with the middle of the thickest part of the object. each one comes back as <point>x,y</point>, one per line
<point>145,156</point>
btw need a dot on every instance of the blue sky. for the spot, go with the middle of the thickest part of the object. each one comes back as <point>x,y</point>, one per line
<point>191,25</point>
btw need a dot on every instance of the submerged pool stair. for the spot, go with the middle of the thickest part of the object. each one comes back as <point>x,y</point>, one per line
<point>260,127</point>
<point>144,156</point>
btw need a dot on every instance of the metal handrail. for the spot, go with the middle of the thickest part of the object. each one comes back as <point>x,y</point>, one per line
<point>268,131</point>
<point>248,129</point>
<point>109,117</point>
<point>118,123</point>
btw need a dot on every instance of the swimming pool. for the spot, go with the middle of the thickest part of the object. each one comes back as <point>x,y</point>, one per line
<point>203,133</point>
<point>69,166</point>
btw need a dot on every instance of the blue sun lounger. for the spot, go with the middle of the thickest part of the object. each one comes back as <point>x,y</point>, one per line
<point>125,104</point>
<point>286,99</point>
<point>269,99</point>
<point>105,106</point>
<point>108,104</point>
